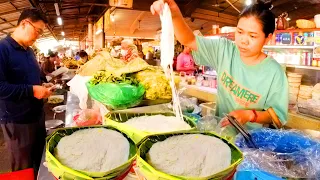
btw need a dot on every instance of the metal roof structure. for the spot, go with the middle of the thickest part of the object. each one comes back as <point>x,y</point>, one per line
<point>199,14</point>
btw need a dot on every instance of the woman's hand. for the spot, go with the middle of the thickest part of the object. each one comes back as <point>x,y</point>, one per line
<point>157,6</point>
<point>242,116</point>
<point>182,31</point>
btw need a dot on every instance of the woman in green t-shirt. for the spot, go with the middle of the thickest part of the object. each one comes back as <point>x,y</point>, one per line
<point>249,81</point>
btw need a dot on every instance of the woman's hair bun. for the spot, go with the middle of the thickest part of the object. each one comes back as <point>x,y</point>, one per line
<point>262,10</point>
<point>265,5</point>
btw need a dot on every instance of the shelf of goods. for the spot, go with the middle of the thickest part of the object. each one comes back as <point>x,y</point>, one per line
<point>287,47</point>
<point>302,67</point>
<point>295,120</point>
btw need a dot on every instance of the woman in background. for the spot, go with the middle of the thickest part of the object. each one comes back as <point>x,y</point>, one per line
<point>128,50</point>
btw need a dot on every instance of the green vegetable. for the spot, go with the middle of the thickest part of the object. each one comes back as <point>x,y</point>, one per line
<point>107,77</point>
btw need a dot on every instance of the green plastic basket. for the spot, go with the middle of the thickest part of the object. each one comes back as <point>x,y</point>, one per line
<point>117,120</point>
<point>63,172</point>
<point>147,171</point>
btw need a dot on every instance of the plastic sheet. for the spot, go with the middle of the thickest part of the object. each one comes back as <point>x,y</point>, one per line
<point>283,153</point>
<point>78,88</point>
<point>117,96</point>
<point>88,117</point>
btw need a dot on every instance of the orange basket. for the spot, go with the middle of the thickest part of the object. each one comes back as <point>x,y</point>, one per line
<point>26,174</point>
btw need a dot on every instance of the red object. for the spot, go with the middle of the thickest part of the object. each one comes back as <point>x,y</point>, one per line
<point>26,174</point>
<point>93,115</point>
<point>255,116</point>
<point>232,174</point>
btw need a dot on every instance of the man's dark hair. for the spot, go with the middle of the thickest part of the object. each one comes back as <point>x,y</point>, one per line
<point>83,54</point>
<point>33,14</point>
<point>52,54</point>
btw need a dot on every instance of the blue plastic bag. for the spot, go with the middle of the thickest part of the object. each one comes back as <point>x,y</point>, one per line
<point>255,175</point>
<point>302,151</point>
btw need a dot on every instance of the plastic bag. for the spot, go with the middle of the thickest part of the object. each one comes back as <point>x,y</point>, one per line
<point>207,123</point>
<point>88,117</point>
<point>302,154</point>
<point>228,132</point>
<point>78,88</point>
<point>117,96</point>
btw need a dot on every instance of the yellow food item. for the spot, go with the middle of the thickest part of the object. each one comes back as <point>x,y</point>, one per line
<point>70,63</point>
<point>102,61</point>
<point>156,84</point>
<point>304,24</point>
<point>55,100</point>
<point>132,66</point>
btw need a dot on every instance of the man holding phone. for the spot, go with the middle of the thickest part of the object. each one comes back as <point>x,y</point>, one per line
<point>21,93</point>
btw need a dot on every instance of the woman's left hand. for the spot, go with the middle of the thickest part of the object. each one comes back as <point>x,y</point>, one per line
<point>242,116</point>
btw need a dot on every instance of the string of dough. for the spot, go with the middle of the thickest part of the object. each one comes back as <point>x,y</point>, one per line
<point>167,54</point>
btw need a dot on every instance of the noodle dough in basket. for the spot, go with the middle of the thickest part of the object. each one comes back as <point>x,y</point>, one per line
<point>93,150</point>
<point>192,155</point>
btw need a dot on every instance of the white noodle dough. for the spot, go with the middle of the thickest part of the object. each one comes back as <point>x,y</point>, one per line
<point>93,150</point>
<point>167,54</point>
<point>158,123</point>
<point>193,155</point>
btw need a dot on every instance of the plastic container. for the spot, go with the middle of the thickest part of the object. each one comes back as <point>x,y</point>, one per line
<point>208,108</point>
<point>317,20</point>
<point>207,124</point>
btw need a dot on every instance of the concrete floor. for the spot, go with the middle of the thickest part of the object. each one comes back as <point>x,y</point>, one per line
<point>4,158</point>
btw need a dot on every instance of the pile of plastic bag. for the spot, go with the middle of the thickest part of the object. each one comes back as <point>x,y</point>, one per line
<point>281,154</point>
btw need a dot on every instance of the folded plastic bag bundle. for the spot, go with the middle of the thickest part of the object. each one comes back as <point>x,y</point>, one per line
<point>302,154</point>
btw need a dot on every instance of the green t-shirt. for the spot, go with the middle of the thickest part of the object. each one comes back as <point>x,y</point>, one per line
<point>242,86</point>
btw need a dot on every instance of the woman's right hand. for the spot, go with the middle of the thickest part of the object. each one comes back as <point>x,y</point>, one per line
<point>157,6</point>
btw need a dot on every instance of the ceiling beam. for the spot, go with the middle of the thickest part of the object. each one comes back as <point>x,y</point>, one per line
<point>61,1</point>
<point>72,16</point>
<point>214,19</point>
<point>35,3</point>
<point>3,32</point>
<point>280,2</point>
<point>190,7</point>
<point>6,22</point>
<point>6,28</point>
<point>14,11</point>
<point>96,4</point>
<point>65,28</point>
<point>89,10</point>
<point>13,5</point>
<point>217,14</point>
<point>66,8</point>
<point>231,4</point>
<point>9,1</point>
<point>135,25</point>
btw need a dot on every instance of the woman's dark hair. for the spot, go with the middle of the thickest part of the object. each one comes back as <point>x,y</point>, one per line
<point>33,14</point>
<point>83,54</point>
<point>262,11</point>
